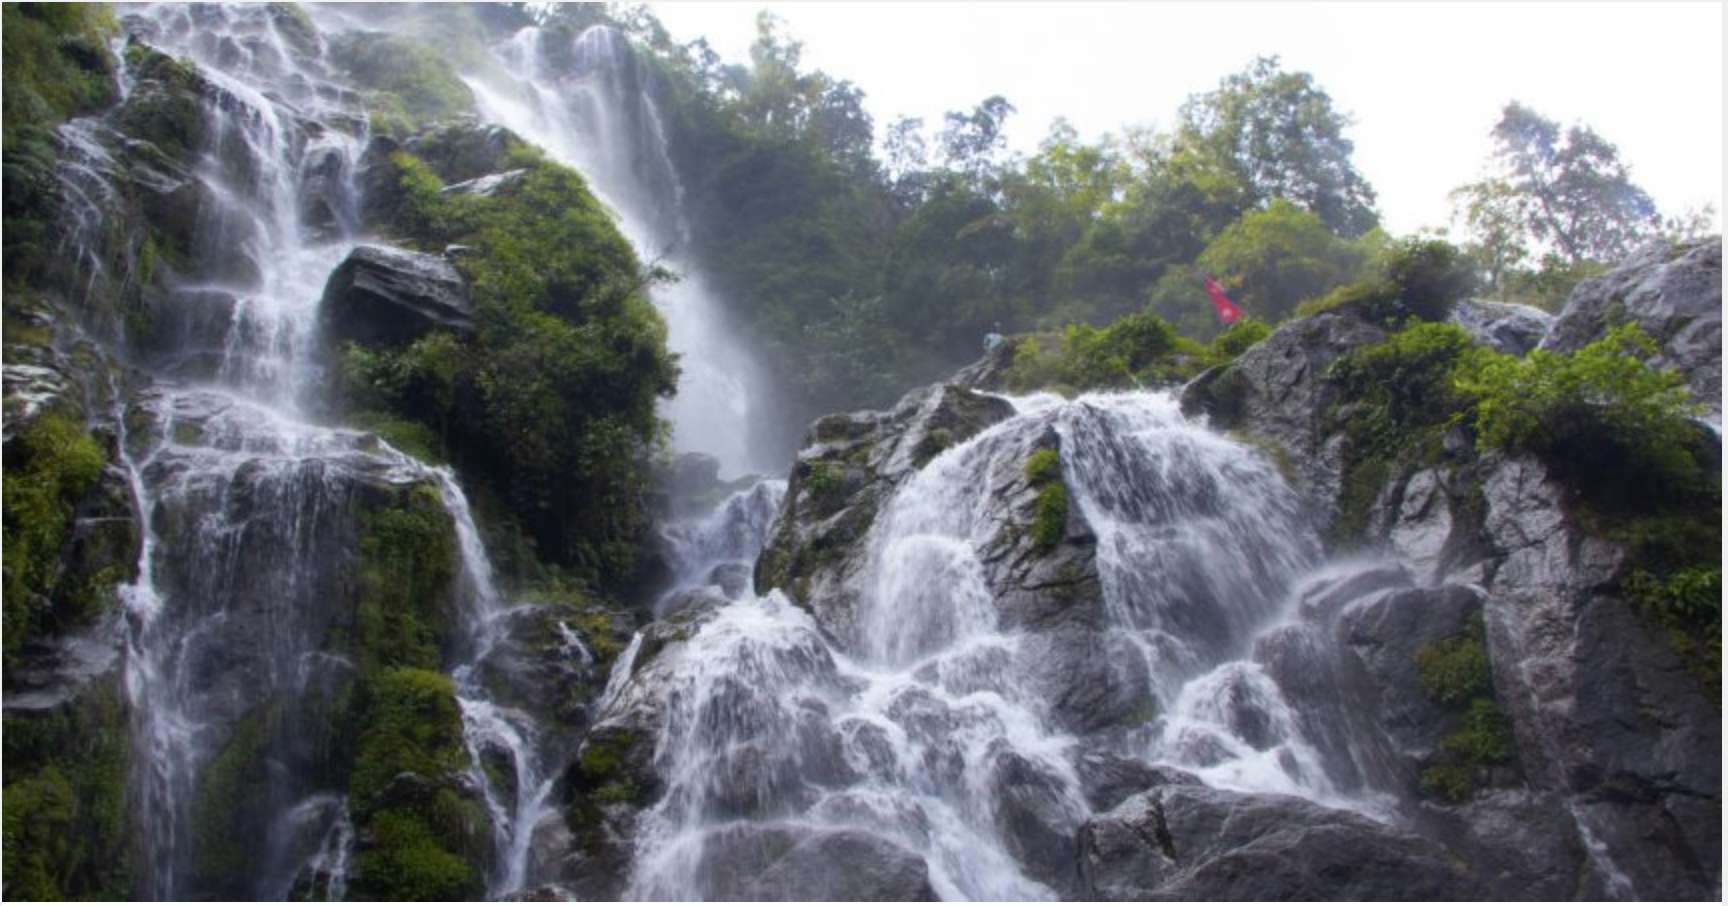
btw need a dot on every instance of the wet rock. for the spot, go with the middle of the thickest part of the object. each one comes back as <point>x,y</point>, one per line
<point>783,863</point>
<point>382,295</point>
<point>1036,819</point>
<point>1107,778</point>
<point>1503,326</point>
<point>1674,292</point>
<point>1278,391</point>
<point>1520,844</point>
<point>1195,843</point>
<point>1384,633</point>
<point>1604,714</point>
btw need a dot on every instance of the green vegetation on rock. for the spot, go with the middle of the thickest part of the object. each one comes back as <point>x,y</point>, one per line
<point>421,832</point>
<point>551,405</point>
<point>65,822</point>
<point>408,563</point>
<point>1455,673</point>
<point>1043,471</point>
<point>50,466</point>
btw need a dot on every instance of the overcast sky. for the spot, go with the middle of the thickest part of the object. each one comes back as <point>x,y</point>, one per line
<point>1424,81</point>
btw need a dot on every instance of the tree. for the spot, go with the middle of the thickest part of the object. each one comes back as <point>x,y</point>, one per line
<point>1272,259</point>
<point>972,143</point>
<point>1490,211</point>
<point>1570,189</point>
<point>1279,131</point>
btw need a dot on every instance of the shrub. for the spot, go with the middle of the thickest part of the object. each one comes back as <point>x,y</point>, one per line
<point>1413,278</point>
<point>1130,351</point>
<point>1600,416</point>
<point>1235,340</point>
<point>410,82</point>
<point>1043,470</point>
<point>1455,673</point>
<point>1408,377</point>
<point>552,403</point>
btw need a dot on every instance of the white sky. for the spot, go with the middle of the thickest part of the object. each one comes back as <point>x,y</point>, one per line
<point>1424,81</point>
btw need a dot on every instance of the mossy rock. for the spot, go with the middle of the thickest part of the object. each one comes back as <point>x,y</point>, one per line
<point>65,823</point>
<point>423,833</point>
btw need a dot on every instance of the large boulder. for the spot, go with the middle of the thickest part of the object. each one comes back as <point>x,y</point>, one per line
<point>383,295</point>
<point>796,863</point>
<point>1504,326</point>
<point>1674,292</point>
<point>1189,842</point>
<point>1606,717</point>
<point>1277,393</point>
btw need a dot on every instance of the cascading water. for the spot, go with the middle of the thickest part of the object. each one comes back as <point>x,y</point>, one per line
<point>245,501</point>
<point>593,109</point>
<point>925,730</point>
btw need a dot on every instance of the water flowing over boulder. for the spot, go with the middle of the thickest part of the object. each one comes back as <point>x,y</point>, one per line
<point>1277,392</point>
<point>1674,292</point>
<point>1188,842</point>
<point>393,296</point>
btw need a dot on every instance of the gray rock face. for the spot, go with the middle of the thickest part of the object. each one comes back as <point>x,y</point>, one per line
<point>1193,843</point>
<point>1504,326</point>
<point>1277,392</point>
<point>1675,294</point>
<point>382,295</point>
<point>769,863</point>
<point>1605,716</point>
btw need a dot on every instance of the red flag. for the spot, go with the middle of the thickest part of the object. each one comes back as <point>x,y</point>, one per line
<point>1228,313</point>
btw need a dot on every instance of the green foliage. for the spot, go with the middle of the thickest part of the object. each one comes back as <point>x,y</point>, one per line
<point>1455,672</point>
<point>1275,257</point>
<point>1235,340</point>
<point>57,64</point>
<point>410,82</point>
<point>1042,467</point>
<point>50,465</point>
<point>1279,132</point>
<point>1687,604</point>
<point>1410,278</point>
<point>419,842</point>
<point>1405,382</point>
<point>553,403</point>
<point>1043,470</point>
<point>1050,515</point>
<point>231,786</point>
<point>1133,350</point>
<point>65,827</point>
<point>410,437</point>
<point>824,480</point>
<point>408,562</point>
<point>1612,424</point>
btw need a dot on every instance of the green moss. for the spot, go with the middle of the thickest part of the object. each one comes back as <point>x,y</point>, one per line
<point>1043,466</point>
<point>1275,453</point>
<point>410,437</point>
<point>65,834</point>
<point>50,466</point>
<point>823,481</point>
<point>1050,519</point>
<point>56,63</point>
<point>932,445</point>
<point>1456,673</point>
<point>420,838</point>
<point>230,791</point>
<point>408,562</point>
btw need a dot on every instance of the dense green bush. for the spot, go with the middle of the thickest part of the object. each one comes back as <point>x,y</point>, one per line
<point>1410,279</point>
<point>1137,349</point>
<point>1600,416</point>
<point>552,403</point>
<point>1406,382</point>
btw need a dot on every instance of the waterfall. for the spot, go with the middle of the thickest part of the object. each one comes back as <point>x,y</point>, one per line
<point>246,501</point>
<point>599,115</point>
<point>924,727</point>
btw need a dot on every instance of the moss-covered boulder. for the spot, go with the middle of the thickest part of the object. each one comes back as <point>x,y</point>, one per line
<point>422,830</point>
